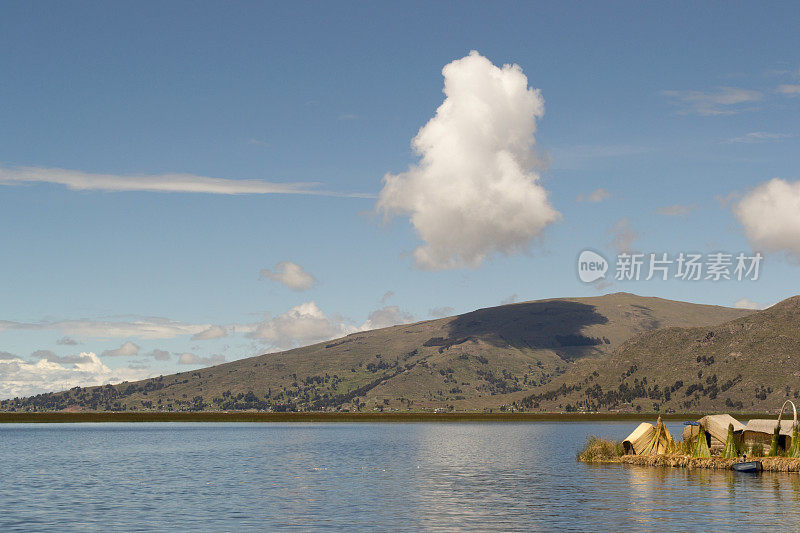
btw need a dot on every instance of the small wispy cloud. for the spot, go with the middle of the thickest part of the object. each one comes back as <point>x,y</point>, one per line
<point>257,142</point>
<point>788,89</point>
<point>44,354</point>
<point>570,157</point>
<point>622,235</point>
<point>51,357</point>
<point>150,328</point>
<point>163,183</point>
<point>388,295</point>
<point>746,303</point>
<point>126,350</point>
<point>725,200</point>
<point>758,137</point>
<point>509,300</point>
<point>676,210</point>
<point>723,101</point>
<point>291,275</point>
<point>214,332</point>
<point>188,358</point>
<point>348,116</point>
<point>386,316</point>
<point>159,355</point>
<point>785,71</point>
<point>439,312</point>
<point>595,196</point>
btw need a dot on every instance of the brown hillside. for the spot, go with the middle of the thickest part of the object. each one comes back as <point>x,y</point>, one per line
<point>475,361</point>
<point>750,363</point>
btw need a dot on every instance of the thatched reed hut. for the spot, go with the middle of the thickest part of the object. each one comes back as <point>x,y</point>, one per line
<point>661,442</point>
<point>759,431</point>
<point>638,440</point>
<point>716,426</point>
<point>648,439</point>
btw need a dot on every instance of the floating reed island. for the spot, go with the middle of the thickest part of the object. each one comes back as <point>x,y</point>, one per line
<point>715,441</point>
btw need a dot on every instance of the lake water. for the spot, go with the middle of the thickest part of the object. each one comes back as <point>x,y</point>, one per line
<point>362,476</point>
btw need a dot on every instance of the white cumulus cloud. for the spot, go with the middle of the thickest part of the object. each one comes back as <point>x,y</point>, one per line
<point>290,274</point>
<point>390,315</point>
<point>23,378</point>
<point>473,192</point>
<point>770,214</point>
<point>126,350</point>
<point>307,324</point>
<point>301,325</point>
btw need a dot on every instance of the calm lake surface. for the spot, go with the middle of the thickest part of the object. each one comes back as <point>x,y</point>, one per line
<point>362,476</point>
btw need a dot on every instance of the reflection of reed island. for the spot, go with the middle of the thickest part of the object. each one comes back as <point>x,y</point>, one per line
<point>714,441</point>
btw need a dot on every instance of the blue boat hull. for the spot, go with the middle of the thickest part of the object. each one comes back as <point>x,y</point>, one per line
<point>749,466</point>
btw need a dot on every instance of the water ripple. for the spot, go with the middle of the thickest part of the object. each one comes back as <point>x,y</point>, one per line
<point>403,477</point>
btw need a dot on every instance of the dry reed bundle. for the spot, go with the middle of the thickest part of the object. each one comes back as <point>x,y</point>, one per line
<point>599,450</point>
<point>701,446</point>
<point>730,451</point>
<point>773,447</point>
<point>661,442</point>
<point>794,448</point>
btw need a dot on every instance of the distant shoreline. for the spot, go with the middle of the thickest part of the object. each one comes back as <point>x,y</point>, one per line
<point>93,417</point>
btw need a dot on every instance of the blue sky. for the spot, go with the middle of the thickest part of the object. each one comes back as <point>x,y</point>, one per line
<point>691,107</point>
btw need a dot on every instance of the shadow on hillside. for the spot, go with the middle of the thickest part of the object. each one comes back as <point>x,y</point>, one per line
<point>556,325</point>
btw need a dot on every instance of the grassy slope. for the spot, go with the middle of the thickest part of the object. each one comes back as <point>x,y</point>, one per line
<point>479,360</point>
<point>751,363</point>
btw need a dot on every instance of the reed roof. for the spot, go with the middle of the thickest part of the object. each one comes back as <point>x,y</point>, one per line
<point>639,438</point>
<point>761,425</point>
<point>717,426</point>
